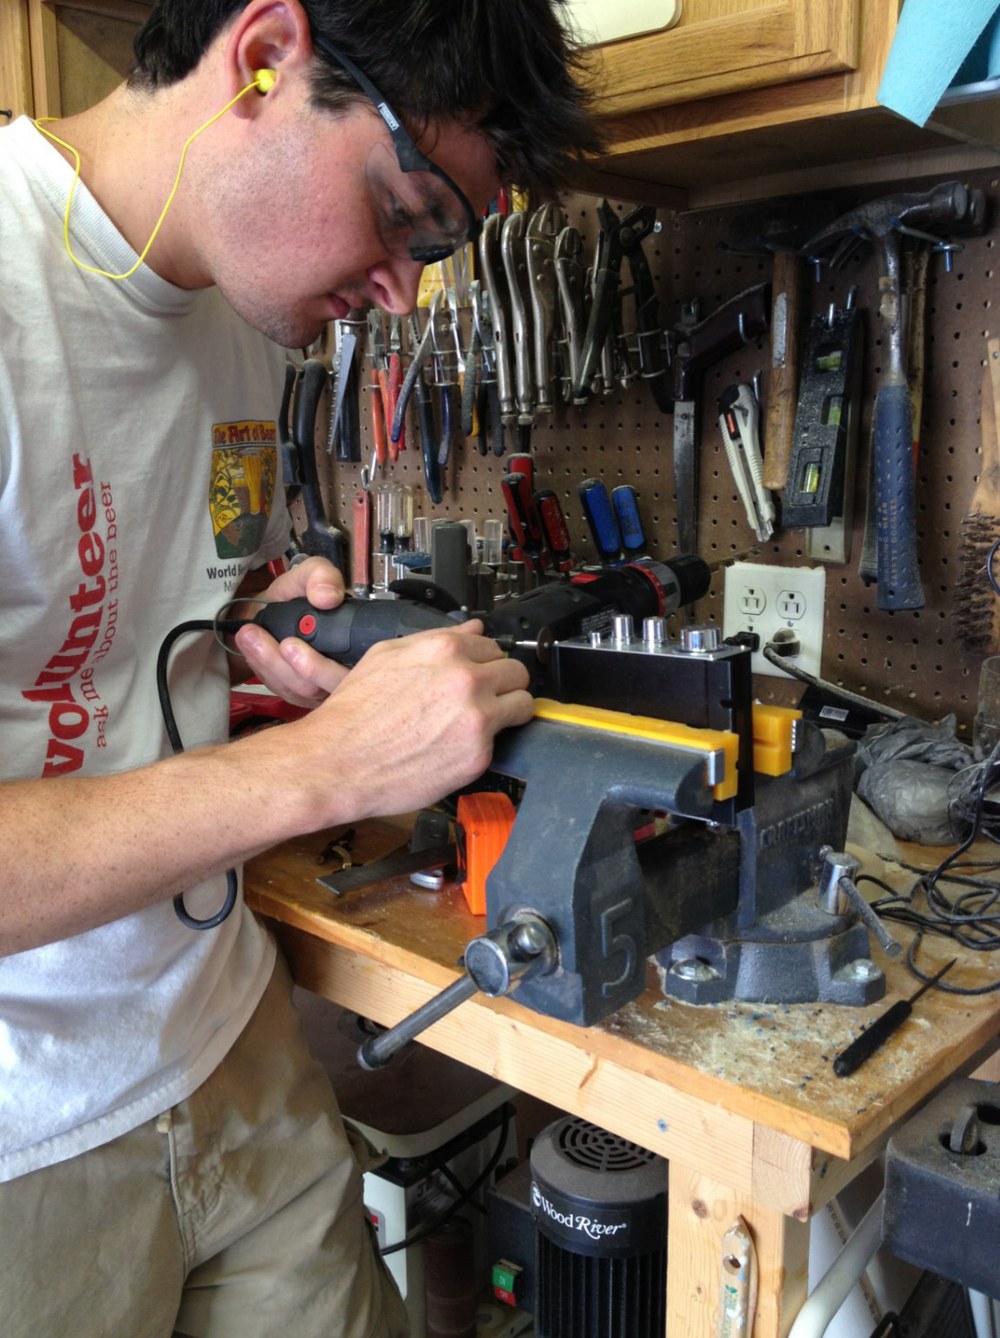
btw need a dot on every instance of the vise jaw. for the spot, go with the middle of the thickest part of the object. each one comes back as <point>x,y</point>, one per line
<point>745,806</point>
<point>783,941</point>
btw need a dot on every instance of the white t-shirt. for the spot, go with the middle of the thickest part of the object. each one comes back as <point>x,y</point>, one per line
<point>139,479</point>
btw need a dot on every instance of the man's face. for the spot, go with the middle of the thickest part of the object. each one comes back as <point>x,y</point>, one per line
<point>295,230</point>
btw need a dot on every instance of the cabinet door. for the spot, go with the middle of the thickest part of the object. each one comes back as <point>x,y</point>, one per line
<point>722,46</point>
<point>15,61</point>
<point>80,50</point>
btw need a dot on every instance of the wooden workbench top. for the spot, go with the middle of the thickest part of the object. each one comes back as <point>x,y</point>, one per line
<point>769,1065</point>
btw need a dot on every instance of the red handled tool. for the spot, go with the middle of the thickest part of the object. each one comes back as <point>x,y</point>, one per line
<point>553,521</point>
<point>521,462</point>
<point>525,524</point>
<point>362,544</point>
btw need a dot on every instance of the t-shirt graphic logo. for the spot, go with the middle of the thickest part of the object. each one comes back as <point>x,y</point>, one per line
<point>244,473</point>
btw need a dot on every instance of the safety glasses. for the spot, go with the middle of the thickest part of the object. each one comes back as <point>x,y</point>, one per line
<point>421,212</point>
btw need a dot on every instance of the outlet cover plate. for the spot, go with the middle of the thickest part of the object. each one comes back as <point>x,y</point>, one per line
<point>762,599</point>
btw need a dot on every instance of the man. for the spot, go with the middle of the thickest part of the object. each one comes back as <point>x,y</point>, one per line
<point>171,1161</point>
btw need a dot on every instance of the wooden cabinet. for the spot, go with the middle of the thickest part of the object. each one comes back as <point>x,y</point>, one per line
<point>15,60</point>
<point>56,59</point>
<point>766,90</point>
<point>724,46</point>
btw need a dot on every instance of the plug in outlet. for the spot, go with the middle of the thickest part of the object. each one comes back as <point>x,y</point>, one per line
<point>764,599</point>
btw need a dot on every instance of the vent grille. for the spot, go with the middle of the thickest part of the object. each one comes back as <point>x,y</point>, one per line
<point>595,1149</point>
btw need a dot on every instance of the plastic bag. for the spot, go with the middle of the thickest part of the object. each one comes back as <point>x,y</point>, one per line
<point>903,772</point>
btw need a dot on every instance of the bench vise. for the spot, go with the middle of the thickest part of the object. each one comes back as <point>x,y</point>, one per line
<point>664,821</point>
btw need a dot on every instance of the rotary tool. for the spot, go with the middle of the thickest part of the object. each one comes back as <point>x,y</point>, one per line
<point>526,624</point>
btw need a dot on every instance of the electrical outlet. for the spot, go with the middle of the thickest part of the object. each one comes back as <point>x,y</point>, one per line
<point>762,599</point>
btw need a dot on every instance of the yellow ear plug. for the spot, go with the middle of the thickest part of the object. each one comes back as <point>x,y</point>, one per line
<point>264,80</point>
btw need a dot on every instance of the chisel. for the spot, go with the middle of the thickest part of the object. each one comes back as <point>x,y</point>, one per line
<point>783,378</point>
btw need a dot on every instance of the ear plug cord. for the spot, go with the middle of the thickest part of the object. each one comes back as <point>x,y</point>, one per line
<point>263,81</point>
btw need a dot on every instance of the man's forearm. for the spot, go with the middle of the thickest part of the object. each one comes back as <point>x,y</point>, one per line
<point>413,721</point>
<point>77,852</point>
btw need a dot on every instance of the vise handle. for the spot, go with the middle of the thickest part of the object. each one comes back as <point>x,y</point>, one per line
<point>495,964</point>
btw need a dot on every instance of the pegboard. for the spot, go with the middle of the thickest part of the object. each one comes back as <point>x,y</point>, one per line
<point>912,661</point>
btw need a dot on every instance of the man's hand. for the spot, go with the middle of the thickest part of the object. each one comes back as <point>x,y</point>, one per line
<point>415,719</point>
<point>291,669</point>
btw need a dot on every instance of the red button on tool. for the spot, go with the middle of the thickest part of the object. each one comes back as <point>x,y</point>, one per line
<point>307,624</point>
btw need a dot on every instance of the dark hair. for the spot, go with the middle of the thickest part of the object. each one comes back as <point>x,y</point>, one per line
<point>508,67</point>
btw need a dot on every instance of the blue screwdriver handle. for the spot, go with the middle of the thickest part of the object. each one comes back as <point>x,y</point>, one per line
<point>601,519</point>
<point>626,506</point>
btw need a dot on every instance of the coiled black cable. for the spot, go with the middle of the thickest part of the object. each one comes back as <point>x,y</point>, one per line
<point>464,1193</point>
<point>170,725</point>
<point>971,916</point>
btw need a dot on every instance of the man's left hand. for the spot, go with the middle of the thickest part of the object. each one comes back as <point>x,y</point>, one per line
<point>291,669</point>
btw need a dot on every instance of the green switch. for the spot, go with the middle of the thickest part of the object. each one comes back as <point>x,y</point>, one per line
<point>505,1276</point>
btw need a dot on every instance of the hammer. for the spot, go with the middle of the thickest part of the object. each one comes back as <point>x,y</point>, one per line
<point>777,229</point>
<point>948,207</point>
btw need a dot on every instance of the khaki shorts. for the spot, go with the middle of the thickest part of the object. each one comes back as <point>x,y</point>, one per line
<point>236,1214</point>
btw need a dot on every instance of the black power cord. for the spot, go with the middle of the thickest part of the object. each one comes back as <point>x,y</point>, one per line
<point>463,1196</point>
<point>170,725</point>
<point>970,916</point>
<point>773,655</point>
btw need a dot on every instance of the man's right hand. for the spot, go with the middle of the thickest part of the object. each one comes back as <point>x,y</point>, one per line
<point>414,720</point>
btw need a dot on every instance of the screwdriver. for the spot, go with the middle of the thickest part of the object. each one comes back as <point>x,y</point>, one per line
<point>851,1059</point>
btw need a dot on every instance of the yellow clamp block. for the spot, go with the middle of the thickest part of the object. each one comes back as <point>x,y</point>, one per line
<point>655,731</point>
<point>772,738</point>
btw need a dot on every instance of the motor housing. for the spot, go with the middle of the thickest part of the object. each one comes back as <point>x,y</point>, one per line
<point>599,1204</point>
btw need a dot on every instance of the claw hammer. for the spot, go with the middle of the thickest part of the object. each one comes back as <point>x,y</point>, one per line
<point>949,207</point>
